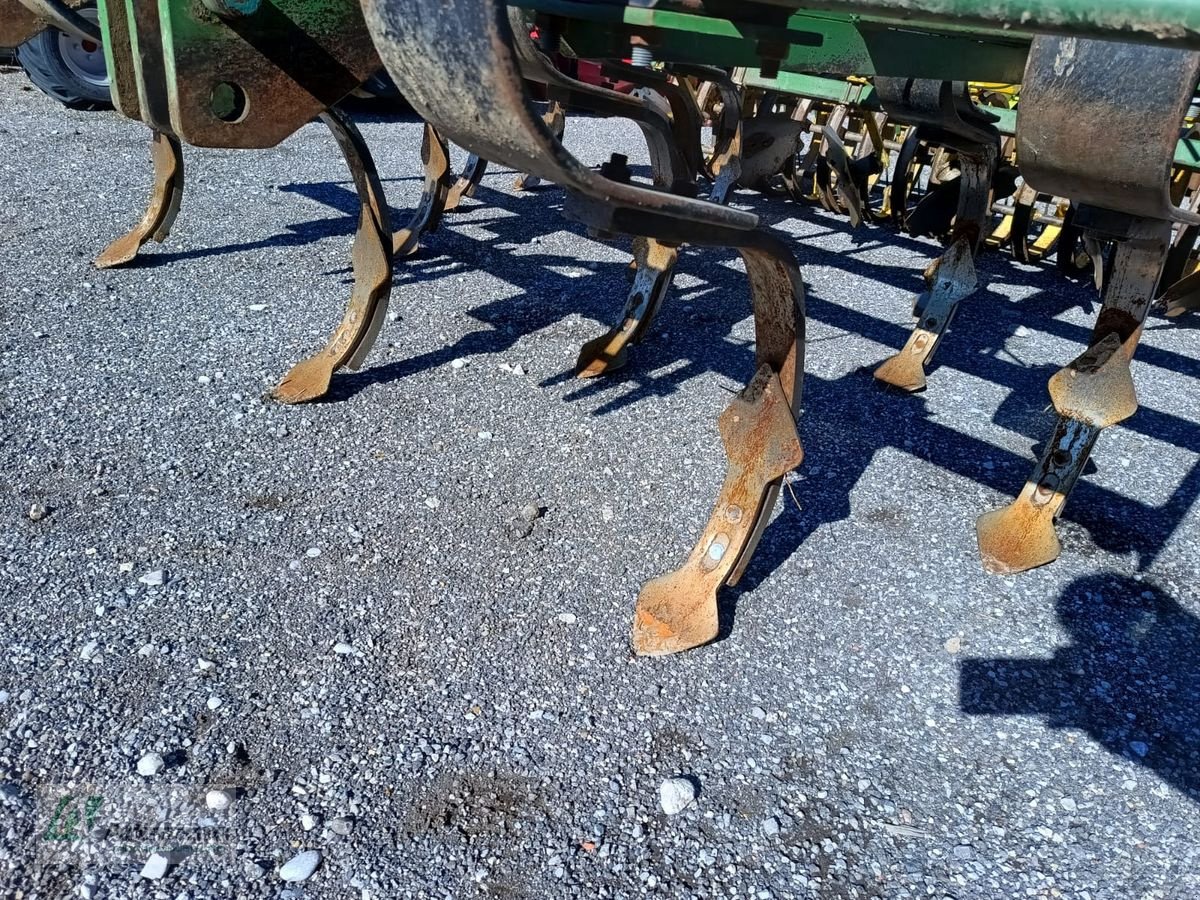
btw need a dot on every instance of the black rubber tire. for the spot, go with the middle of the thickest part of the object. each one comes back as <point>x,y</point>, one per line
<point>43,63</point>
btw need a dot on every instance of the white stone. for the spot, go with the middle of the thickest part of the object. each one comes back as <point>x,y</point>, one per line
<point>153,578</point>
<point>433,502</point>
<point>341,648</point>
<point>301,866</point>
<point>312,552</point>
<point>218,800</point>
<point>213,703</point>
<point>205,665</point>
<point>676,795</point>
<point>90,649</point>
<point>458,363</point>
<point>37,512</point>
<point>150,764</point>
<point>155,867</point>
<point>566,618</point>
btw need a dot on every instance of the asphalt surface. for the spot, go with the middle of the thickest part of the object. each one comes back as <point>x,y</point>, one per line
<point>357,645</point>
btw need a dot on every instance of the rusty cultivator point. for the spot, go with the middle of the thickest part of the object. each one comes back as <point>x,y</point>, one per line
<point>984,125</point>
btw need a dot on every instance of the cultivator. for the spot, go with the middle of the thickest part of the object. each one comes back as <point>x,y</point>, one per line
<point>984,125</point>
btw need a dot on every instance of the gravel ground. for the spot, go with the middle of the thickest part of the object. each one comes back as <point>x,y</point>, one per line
<point>324,619</point>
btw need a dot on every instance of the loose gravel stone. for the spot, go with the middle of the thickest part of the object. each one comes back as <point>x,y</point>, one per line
<point>150,764</point>
<point>153,578</point>
<point>218,800</point>
<point>37,512</point>
<point>341,825</point>
<point>676,795</point>
<point>301,866</point>
<point>156,867</point>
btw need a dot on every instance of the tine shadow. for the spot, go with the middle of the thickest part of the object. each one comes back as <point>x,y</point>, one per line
<point>1129,677</point>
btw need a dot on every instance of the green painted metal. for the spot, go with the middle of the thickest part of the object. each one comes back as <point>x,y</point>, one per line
<point>831,90</point>
<point>1187,153</point>
<point>1006,122</point>
<point>814,42</point>
<point>1175,22</point>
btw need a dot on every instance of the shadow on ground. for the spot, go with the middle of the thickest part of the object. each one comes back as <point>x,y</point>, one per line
<point>1129,677</point>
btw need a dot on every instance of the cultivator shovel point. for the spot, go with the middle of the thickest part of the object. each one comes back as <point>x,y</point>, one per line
<point>372,263</point>
<point>166,155</point>
<point>1093,392</point>
<point>472,174</point>
<point>679,610</point>
<point>653,265</point>
<point>435,160</point>
<point>950,278</point>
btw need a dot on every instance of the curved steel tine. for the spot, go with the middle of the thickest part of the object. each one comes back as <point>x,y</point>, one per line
<point>904,178</point>
<point>679,610</point>
<point>372,261</point>
<point>435,158</point>
<point>463,73</point>
<point>608,352</point>
<point>166,155</point>
<point>724,166</point>
<point>847,190</point>
<point>686,119</point>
